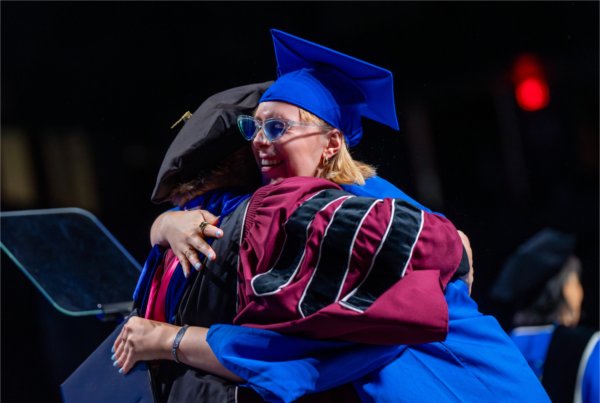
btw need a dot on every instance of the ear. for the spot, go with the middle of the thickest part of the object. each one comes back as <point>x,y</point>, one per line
<point>334,143</point>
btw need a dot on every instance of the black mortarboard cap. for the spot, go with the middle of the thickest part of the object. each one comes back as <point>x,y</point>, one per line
<point>207,137</point>
<point>527,271</point>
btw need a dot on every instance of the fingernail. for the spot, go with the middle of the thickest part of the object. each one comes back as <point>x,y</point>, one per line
<point>211,256</point>
<point>185,274</point>
<point>219,233</point>
<point>115,363</point>
<point>112,349</point>
<point>120,370</point>
<point>113,357</point>
<point>197,266</point>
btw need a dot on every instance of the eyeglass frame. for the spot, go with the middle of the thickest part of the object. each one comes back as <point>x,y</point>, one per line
<point>286,125</point>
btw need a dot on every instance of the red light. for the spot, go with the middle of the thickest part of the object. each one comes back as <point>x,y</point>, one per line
<point>532,94</point>
<point>531,89</point>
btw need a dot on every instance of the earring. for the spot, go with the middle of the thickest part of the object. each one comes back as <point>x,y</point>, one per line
<point>325,160</point>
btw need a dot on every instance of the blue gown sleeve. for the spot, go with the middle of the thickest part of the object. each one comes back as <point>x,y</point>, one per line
<point>284,368</point>
<point>477,362</point>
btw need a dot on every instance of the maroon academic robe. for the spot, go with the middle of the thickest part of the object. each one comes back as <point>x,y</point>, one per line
<point>318,262</point>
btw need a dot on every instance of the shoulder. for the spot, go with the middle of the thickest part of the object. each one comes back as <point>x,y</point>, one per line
<point>381,188</point>
<point>277,201</point>
<point>293,189</point>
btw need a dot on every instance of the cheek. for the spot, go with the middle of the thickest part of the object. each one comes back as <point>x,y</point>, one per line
<point>579,295</point>
<point>255,151</point>
<point>304,160</point>
<point>574,294</point>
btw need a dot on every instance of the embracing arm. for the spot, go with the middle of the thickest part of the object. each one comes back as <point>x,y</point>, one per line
<point>143,340</point>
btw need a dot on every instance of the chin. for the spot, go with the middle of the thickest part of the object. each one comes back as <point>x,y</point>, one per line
<point>267,180</point>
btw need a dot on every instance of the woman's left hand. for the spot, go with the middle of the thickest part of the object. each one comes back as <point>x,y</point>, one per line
<point>470,277</point>
<point>142,340</point>
<point>186,232</point>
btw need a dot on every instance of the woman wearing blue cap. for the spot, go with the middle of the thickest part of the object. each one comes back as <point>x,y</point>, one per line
<point>338,99</point>
<point>330,89</point>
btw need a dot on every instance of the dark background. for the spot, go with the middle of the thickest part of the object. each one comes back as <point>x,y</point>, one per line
<point>89,91</point>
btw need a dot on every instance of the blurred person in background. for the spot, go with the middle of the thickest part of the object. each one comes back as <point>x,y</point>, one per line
<point>541,282</point>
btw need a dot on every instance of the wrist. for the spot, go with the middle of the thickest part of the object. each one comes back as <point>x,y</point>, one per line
<point>176,343</point>
<point>168,337</point>
<point>162,227</point>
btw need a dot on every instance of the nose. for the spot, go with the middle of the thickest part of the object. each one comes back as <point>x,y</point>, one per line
<point>260,139</point>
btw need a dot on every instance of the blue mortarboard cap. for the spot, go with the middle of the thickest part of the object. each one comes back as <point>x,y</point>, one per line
<point>529,268</point>
<point>333,86</point>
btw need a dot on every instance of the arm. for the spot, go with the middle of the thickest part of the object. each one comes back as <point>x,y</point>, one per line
<point>284,368</point>
<point>143,340</point>
<point>180,230</point>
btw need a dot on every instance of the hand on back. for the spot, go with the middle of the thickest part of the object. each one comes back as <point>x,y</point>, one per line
<point>185,232</point>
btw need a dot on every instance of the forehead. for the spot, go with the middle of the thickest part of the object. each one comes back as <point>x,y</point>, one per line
<point>274,109</point>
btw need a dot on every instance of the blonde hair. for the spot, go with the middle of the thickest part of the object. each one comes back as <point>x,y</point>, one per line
<point>341,168</point>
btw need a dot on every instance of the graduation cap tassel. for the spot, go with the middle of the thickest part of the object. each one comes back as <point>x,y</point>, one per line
<point>184,118</point>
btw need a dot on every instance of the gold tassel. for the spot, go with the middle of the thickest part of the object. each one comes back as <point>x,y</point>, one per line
<point>184,118</point>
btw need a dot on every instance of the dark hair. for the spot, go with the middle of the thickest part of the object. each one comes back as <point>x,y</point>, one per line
<point>550,303</point>
<point>238,170</point>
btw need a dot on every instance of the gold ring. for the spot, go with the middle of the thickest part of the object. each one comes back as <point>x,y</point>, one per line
<point>202,226</point>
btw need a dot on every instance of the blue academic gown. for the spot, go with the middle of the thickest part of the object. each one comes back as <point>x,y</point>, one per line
<point>534,342</point>
<point>477,361</point>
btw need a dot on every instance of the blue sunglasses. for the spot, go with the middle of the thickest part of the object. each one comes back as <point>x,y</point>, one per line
<point>273,128</point>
